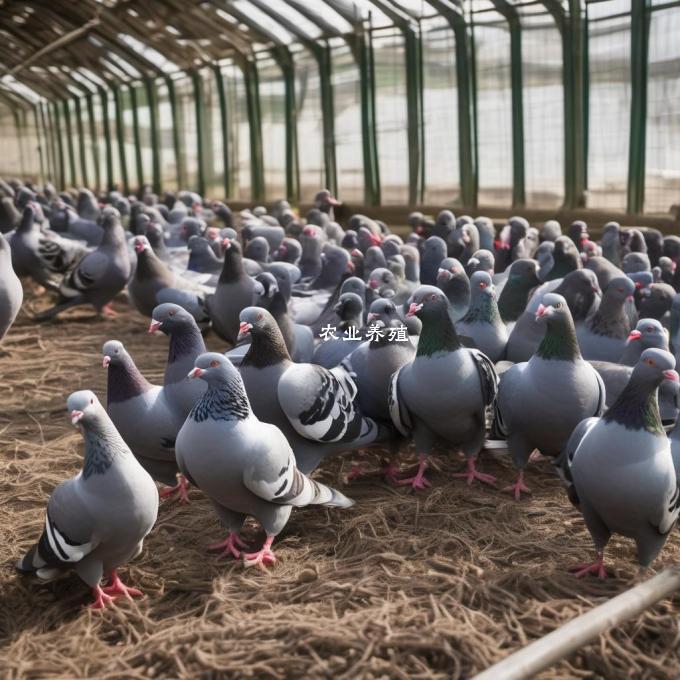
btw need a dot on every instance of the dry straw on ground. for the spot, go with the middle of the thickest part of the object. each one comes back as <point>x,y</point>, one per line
<point>439,584</point>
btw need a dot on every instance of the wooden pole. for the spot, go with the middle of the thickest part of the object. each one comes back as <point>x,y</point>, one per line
<point>571,636</point>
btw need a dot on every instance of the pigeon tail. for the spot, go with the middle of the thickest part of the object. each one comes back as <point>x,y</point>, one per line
<point>305,491</point>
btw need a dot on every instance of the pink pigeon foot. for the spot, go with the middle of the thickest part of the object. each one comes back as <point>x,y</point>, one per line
<point>390,472</point>
<point>101,599</point>
<point>118,589</point>
<point>229,546</point>
<point>419,482</point>
<point>109,311</point>
<point>518,488</point>
<point>263,557</point>
<point>181,489</point>
<point>473,474</point>
<point>357,472</point>
<point>596,568</point>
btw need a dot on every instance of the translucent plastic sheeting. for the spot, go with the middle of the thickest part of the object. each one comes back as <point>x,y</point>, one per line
<point>64,140</point>
<point>10,159</point>
<point>31,144</point>
<point>188,140</point>
<point>97,110</point>
<point>609,104</point>
<point>128,140</point>
<point>440,113</point>
<point>75,144</point>
<point>494,109</point>
<point>272,108</point>
<point>117,173</point>
<point>168,162</point>
<point>89,146</point>
<point>309,124</point>
<point>212,131</point>
<point>662,181</point>
<point>239,132</point>
<point>543,92</point>
<point>145,141</point>
<point>348,140</point>
<point>391,115</point>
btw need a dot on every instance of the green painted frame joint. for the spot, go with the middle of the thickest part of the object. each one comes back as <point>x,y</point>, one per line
<point>134,103</point>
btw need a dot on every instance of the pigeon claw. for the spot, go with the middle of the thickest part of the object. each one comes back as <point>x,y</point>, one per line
<point>596,568</point>
<point>518,488</point>
<point>109,311</point>
<point>390,472</point>
<point>419,482</point>
<point>357,472</point>
<point>101,599</point>
<point>181,489</point>
<point>262,558</point>
<point>229,546</point>
<point>472,474</point>
<point>118,589</point>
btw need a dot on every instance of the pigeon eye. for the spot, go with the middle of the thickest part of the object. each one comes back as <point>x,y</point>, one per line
<point>172,313</point>
<point>116,351</point>
<point>259,316</point>
<point>214,363</point>
<point>650,329</point>
<point>620,290</point>
<point>91,401</point>
<point>433,296</point>
<point>558,305</point>
<point>649,362</point>
<point>482,285</point>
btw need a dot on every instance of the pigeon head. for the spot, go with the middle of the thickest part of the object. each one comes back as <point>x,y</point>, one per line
<point>384,310</point>
<point>482,283</point>
<point>450,268</point>
<point>269,284</point>
<point>214,368</point>
<point>655,366</point>
<point>258,249</point>
<point>190,227</point>
<point>349,305</point>
<point>113,352</point>
<point>383,281</point>
<point>353,284</point>
<point>481,260</point>
<point>141,244</point>
<point>169,318</point>
<point>325,200</point>
<point>446,219</point>
<point>620,288</point>
<point>552,308</point>
<point>254,321</point>
<point>649,333</point>
<point>84,408</point>
<point>426,302</point>
<point>198,244</point>
<point>636,262</point>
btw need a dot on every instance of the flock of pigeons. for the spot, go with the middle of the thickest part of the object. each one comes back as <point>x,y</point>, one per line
<point>344,338</point>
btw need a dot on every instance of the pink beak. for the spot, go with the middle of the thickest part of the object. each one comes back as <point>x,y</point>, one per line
<point>244,328</point>
<point>195,373</point>
<point>350,266</point>
<point>634,335</point>
<point>413,309</point>
<point>541,310</point>
<point>672,376</point>
<point>76,416</point>
<point>139,246</point>
<point>226,243</point>
<point>154,325</point>
<point>106,361</point>
<point>373,284</point>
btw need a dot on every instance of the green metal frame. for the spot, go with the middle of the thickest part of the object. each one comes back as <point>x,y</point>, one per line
<point>81,141</point>
<point>224,127</point>
<point>120,134</point>
<point>152,102</point>
<point>56,126</point>
<point>134,102</point>
<point>103,95</point>
<point>639,42</point>
<point>89,100</point>
<point>172,98</point>
<point>19,132</point>
<point>251,81</point>
<point>199,103</point>
<point>69,142</point>
<point>41,148</point>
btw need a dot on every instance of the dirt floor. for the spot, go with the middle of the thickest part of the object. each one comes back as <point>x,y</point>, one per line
<point>440,584</point>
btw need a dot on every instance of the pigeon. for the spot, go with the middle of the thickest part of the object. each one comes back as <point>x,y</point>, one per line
<point>550,231</point>
<point>245,466</point>
<point>11,291</point>
<point>186,343</point>
<point>97,521</point>
<point>374,258</point>
<point>454,282</point>
<point>9,215</point>
<point>100,275</point>
<point>604,270</point>
<point>258,250</point>
<point>154,233</point>
<point>541,401</point>
<point>343,337</point>
<point>42,257</point>
<point>648,333</point>
<point>434,251</point>
<point>511,244</point>
<point>444,392</point>
<point>636,262</point>
<point>152,276</point>
<point>604,336</point>
<point>565,258</point>
<point>487,233</point>
<point>144,417</point>
<point>289,251</point>
<point>481,261</point>
<point>234,292</point>
<point>512,301</point>
<point>482,326</point>
<point>657,303</point>
<point>621,466</point>
<point>544,257</point>
<point>314,407</point>
<point>326,202</point>
<point>202,257</point>
<point>463,241</point>
<point>311,240</point>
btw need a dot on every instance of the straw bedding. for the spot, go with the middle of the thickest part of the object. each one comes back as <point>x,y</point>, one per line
<point>439,584</point>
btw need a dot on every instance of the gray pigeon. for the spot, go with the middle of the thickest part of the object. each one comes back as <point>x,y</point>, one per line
<point>235,291</point>
<point>512,301</point>
<point>202,257</point>
<point>482,326</point>
<point>622,470</point>
<point>97,521</point>
<point>541,401</point>
<point>347,331</point>
<point>186,343</point>
<point>454,282</point>
<point>100,275</point>
<point>314,407</point>
<point>11,292</point>
<point>245,466</point>
<point>604,336</point>
<point>444,392</point>
<point>434,251</point>
<point>144,417</point>
<point>648,333</point>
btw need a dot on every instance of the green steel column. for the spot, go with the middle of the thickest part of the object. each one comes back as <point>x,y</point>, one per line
<point>134,102</point>
<point>120,133</point>
<point>152,100</point>
<point>172,97</point>
<point>47,136</point>
<point>475,114</point>
<point>69,143</point>
<point>250,78</point>
<point>81,142</point>
<point>107,138</point>
<point>89,99</point>
<point>414,87</point>
<point>224,127</point>
<point>639,47</point>
<point>322,52</point>
<point>41,138</point>
<point>19,132</point>
<point>60,145</point>
<point>197,82</point>
<point>285,62</point>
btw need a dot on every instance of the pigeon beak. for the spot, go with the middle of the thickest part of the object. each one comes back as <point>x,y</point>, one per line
<point>444,274</point>
<point>226,243</point>
<point>541,311</point>
<point>373,284</point>
<point>77,415</point>
<point>376,240</point>
<point>154,326</point>
<point>106,361</point>
<point>139,247</point>
<point>638,285</point>
<point>333,201</point>
<point>244,330</point>
<point>414,309</point>
<point>634,335</point>
<point>672,376</point>
<point>195,373</point>
<point>350,266</point>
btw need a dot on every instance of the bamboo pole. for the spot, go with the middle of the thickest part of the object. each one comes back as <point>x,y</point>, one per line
<point>553,647</point>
